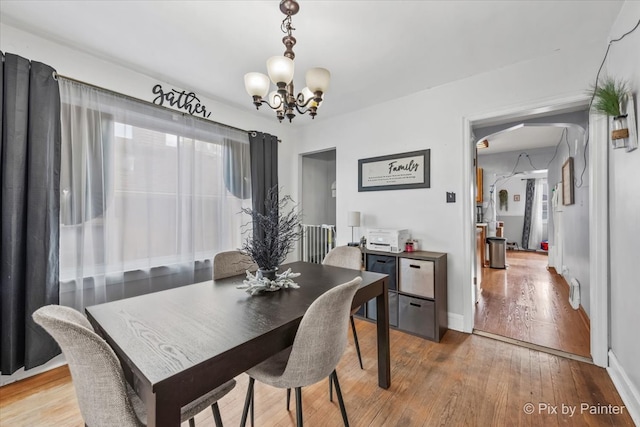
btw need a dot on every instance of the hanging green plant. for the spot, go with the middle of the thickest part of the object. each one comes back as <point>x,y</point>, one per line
<point>608,95</point>
<point>504,199</point>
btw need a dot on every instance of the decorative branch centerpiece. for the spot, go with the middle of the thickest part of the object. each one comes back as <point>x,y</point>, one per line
<point>274,233</point>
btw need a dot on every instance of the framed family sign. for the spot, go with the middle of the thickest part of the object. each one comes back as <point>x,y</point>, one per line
<point>395,172</point>
<point>567,182</point>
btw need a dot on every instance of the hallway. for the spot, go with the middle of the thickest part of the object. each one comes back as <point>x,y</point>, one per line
<point>530,303</point>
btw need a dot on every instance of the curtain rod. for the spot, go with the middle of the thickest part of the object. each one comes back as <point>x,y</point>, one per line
<point>56,76</point>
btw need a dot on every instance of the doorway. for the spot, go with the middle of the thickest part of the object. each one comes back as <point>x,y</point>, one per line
<point>548,242</point>
<point>318,203</point>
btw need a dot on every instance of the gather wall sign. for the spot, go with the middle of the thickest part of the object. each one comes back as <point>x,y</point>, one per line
<point>180,99</point>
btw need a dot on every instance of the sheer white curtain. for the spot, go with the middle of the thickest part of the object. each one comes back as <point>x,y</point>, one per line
<point>148,196</point>
<point>535,233</point>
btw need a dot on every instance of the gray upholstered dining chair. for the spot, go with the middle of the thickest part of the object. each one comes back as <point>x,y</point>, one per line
<point>317,348</point>
<point>347,257</point>
<point>104,396</point>
<point>232,263</point>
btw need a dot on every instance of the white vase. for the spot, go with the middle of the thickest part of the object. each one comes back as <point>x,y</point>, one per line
<point>619,131</point>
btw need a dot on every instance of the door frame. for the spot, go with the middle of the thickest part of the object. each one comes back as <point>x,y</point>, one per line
<point>598,216</point>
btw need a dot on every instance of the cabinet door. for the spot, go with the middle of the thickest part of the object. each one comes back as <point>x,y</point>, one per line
<point>417,316</point>
<point>383,264</point>
<point>393,309</point>
<point>417,277</point>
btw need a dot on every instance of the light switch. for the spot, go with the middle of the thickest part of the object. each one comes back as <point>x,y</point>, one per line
<point>451,197</point>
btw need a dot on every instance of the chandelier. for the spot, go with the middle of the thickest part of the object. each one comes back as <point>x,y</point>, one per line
<point>280,69</point>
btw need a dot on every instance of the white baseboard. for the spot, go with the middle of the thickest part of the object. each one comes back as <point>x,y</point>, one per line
<point>627,390</point>
<point>455,321</point>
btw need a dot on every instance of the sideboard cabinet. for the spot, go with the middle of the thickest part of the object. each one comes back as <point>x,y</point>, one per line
<point>417,291</point>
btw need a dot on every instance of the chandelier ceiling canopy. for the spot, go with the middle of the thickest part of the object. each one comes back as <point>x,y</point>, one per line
<point>280,70</point>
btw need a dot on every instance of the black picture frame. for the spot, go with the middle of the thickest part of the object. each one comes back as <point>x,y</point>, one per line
<point>567,182</point>
<point>395,172</point>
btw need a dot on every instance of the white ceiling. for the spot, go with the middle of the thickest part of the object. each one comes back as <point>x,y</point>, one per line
<point>375,50</point>
<point>522,137</point>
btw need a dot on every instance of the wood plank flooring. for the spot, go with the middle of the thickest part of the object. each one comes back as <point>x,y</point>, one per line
<point>463,380</point>
<point>530,303</point>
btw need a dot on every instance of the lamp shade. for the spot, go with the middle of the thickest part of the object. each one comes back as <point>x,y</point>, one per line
<point>256,84</point>
<point>318,79</point>
<point>280,69</point>
<point>353,219</point>
<point>307,94</point>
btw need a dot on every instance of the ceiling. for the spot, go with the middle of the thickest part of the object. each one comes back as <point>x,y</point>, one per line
<point>522,137</point>
<point>375,50</point>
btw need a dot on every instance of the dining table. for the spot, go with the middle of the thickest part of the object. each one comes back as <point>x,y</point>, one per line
<point>178,344</point>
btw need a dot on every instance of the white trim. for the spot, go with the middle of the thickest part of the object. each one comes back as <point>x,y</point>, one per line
<point>455,322</point>
<point>599,238</point>
<point>468,229</point>
<point>627,391</point>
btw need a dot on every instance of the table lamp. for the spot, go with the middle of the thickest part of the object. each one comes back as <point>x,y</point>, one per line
<point>353,220</point>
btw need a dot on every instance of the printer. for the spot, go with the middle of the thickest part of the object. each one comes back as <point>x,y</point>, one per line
<point>386,240</point>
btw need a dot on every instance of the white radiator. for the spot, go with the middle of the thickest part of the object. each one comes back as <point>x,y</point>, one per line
<point>317,241</point>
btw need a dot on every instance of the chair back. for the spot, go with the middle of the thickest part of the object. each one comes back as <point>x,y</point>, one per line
<point>96,372</point>
<point>321,337</point>
<point>345,257</point>
<point>231,263</point>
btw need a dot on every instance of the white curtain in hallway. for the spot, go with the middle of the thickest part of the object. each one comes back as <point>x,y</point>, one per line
<point>535,234</point>
<point>148,195</point>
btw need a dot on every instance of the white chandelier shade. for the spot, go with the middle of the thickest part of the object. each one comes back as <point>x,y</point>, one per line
<point>318,79</point>
<point>256,84</point>
<point>280,69</point>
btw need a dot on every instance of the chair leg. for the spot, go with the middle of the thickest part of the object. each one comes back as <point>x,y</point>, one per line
<point>192,423</point>
<point>216,415</point>
<point>355,340</point>
<point>299,406</point>
<point>288,397</point>
<point>340,401</point>
<point>248,401</point>
<point>330,388</point>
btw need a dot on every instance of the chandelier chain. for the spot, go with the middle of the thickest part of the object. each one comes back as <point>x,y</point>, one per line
<point>286,26</point>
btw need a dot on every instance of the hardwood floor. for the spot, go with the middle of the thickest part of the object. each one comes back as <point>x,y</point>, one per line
<point>530,303</point>
<point>463,380</point>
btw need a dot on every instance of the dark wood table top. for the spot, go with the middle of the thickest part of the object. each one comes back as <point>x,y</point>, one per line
<point>171,339</point>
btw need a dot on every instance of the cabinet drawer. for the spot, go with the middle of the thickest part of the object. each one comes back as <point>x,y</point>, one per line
<point>417,277</point>
<point>385,265</point>
<point>417,316</point>
<point>393,309</point>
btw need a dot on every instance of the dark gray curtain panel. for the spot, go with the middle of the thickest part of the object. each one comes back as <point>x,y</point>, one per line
<point>528,207</point>
<point>263,149</point>
<point>29,209</point>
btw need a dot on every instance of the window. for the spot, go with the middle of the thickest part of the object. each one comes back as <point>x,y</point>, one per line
<point>147,195</point>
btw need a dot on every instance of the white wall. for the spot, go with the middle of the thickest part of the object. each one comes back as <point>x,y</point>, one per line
<point>575,217</point>
<point>433,119</point>
<point>624,204</point>
<point>318,205</point>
